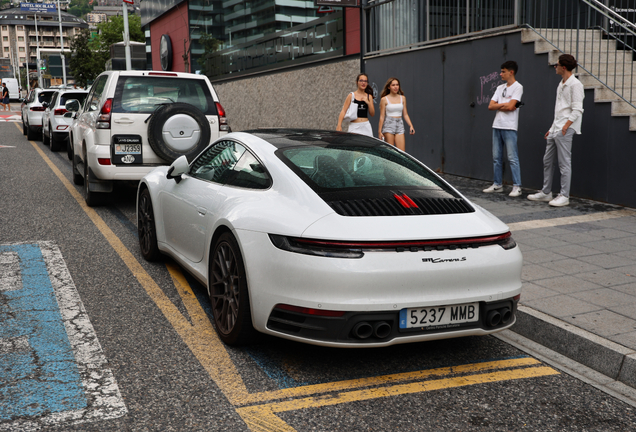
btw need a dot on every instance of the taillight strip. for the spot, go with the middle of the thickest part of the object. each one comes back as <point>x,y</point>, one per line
<point>404,244</point>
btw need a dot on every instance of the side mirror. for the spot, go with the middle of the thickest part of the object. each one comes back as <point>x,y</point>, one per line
<point>73,105</point>
<point>68,115</point>
<point>179,167</point>
<point>45,104</point>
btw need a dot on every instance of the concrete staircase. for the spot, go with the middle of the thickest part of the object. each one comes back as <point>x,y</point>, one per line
<point>600,57</point>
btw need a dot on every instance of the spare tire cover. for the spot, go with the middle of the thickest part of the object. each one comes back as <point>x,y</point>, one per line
<point>178,129</point>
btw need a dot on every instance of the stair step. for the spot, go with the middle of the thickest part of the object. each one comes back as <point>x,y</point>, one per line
<point>541,46</point>
<point>604,94</point>
<point>622,108</point>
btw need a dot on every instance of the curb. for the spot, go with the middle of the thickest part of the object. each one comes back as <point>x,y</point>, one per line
<point>609,358</point>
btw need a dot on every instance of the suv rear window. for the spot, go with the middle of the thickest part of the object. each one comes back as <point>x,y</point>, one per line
<point>143,94</point>
<point>45,96</point>
<point>70,96</point>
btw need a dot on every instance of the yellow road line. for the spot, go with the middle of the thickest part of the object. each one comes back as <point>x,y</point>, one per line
<point>261,418</point>
<point>570,220</point>
<point>206,347</point>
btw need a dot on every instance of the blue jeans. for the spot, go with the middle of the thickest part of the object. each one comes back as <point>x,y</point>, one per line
<point>501,137</point>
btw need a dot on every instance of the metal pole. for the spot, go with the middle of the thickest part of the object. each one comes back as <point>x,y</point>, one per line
<point>362,36</point>
<point>126,37</point>
<point>59,16</point>
<point>37,45</point>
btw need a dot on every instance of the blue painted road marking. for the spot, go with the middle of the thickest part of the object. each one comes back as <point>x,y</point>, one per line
<point>44,377</point>
<point>52,369</point>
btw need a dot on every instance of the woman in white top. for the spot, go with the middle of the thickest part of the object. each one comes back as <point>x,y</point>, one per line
<point>363,97</point>
<point>392,109</point>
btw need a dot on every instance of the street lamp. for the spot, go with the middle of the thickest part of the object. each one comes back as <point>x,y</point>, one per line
<point>59,16</point>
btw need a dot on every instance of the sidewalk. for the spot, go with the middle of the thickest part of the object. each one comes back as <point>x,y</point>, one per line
<point>579,276</point>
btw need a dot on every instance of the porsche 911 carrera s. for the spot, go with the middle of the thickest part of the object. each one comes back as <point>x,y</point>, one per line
<point>331,239</point>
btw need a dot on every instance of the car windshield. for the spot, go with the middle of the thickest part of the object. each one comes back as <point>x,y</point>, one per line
<point>143,94</point>
<point>45,96</point>
<point>65,97</point>
<point>336,167</point>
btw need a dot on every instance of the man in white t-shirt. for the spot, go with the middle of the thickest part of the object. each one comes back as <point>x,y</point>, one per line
<point>504,129</point>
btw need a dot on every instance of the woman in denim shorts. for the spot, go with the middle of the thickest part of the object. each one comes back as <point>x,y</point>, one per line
<point>392,109</point>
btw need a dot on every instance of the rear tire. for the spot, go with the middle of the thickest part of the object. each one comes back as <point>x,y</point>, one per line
<point>146,228</point>
<point>54,144</point>
<point>92,199</point>
<point>24,128</point>
<point>32,133</point>
<point>44,138</point>
<point>229,296</point>
<point>77,177</point>
<point>69,147</point>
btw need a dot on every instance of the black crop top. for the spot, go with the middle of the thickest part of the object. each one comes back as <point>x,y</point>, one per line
<point>363,108</point>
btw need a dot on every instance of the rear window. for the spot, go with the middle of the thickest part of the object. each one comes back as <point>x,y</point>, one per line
<point>70,96</point>
<point>333,167</point>
<point>45,96</point>
<point>143,94</point>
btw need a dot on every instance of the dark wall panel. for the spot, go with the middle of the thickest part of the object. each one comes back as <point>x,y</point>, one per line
<point>449,88</point>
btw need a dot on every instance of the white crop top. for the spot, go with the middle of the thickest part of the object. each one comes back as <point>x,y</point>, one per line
<point>394,110</point>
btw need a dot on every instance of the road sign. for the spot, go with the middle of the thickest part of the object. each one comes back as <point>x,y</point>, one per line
<point>337,3</point>
<point>38,7</point>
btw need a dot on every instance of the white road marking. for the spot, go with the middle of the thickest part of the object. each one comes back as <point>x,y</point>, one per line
<point>570,220</point>
<point>101,391</point>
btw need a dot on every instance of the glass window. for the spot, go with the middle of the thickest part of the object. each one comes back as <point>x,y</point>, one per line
<point>216,163</point>
<point>20,28</point>
<point>143,94</point>
<point>70,96</point>
<point>4,28</point>
<point>21,49</point>
<point>5,38</point>
<point>96,93</point>
<point>336,167</point>
<point>20,38</point>
<point>230,163</point>
<point>6,49</point>
<point>45,96</point>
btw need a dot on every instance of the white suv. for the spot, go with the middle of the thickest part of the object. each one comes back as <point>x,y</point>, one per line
<point>55,126</point>
<point>134,121</point>
<point>32,110</point>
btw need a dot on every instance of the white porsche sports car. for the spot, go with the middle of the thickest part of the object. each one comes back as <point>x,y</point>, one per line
<point>330,238</point>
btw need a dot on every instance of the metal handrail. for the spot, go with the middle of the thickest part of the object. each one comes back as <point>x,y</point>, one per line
<point>611,72</point>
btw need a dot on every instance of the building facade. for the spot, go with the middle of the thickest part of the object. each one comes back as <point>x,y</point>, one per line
<point>19,41</point>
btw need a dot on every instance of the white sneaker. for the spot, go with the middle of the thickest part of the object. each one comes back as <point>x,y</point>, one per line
<point>540,196</point>
<point>560,201</point>
<point>493,188</point>
<point>516,191</point>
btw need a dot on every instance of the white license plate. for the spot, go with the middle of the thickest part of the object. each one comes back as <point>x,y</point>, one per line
<point>439,316</point>
<point>127,149</point>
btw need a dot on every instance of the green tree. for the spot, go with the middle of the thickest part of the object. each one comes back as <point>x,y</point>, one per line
<point>79,8</point>
<point>210,45</point>
<point>84,64</point>
<point>112,32</point>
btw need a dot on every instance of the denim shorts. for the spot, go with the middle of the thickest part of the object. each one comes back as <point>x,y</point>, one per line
<point>393,125</point>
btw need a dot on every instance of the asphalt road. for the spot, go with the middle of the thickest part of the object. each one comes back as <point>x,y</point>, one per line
<point>147,358</point>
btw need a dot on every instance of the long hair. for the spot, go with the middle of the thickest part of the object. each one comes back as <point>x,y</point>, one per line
<point>387,90</point>
<point>368,90</point>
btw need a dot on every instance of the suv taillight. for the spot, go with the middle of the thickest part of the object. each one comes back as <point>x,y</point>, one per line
<point>59,111</point>
<point>103,121</point>
<point>223,126</point>
<point>37,108</point>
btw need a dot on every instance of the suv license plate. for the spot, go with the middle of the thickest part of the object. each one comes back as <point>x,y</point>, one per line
<point>439,316</point>
<point>123,149</point>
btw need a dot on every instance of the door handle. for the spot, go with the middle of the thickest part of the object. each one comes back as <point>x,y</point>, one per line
<point>124,121</point>
<point>202,211</point>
